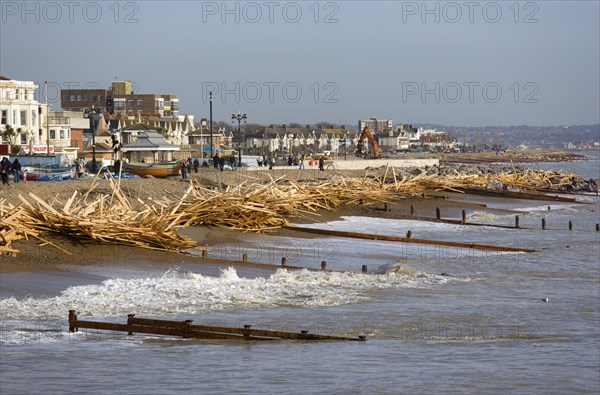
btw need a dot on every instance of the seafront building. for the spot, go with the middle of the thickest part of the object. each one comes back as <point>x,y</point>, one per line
<point>121,100</point>
<point>376,126</point>
<point>26,115</point>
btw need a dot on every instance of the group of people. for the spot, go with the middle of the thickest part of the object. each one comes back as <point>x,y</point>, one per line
<point>219,161</point>
<point>186,166</point>
<point>295,161</point>
<point>266,161</point>
<point>6,168</point>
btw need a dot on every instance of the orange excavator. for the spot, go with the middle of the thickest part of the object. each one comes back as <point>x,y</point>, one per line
<point>367,135</point>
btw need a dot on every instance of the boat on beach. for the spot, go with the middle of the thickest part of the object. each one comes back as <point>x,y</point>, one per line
<point>151,155</point>
<point>157,169</point>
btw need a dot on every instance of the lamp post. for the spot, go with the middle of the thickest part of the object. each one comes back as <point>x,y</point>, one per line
<point>91,114</point>
<point>211,130</point>
<point>239,118</point>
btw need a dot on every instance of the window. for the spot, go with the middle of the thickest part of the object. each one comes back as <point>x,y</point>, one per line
<point>23,138</point>
<point>4,116</point>
<point>79,97</point>
<point>66,98</point>
<point>94,98</point>
<point>33,118</point>
<point>139,103</point>
<point>87,98</point>
<point>23,117</point>
<point>62,134</point>
<point>52,134</point>
<point>72,97</point>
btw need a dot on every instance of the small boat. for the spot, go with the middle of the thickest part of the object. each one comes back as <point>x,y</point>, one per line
<point>157,169</point>
<point>50,172</point>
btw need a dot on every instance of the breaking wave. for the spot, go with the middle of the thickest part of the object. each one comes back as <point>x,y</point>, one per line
<point>190,293</point>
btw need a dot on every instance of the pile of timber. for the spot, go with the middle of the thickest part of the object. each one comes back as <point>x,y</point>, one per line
<point>250,206</point>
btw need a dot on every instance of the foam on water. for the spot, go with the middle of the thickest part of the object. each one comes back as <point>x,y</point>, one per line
<point>189,293</point>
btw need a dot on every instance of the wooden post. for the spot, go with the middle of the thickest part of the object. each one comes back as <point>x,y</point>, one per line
<point>409,234</point>
<point>204,253</point>
<point>412,210</point>
<point>130,333</point>
<point>597,227</point>
<point>516,221</point>
<point>548,208</point>
<point>438,213</point>
<point>464,217</point>
<point>283,261</point>
<point>385,207</point>
<point>364,268</point>
<point>543,223</point>
<point>323,265</point>
<point>72,320</point>
<point>187,329</point>
<point>245,258</point>
<point>570,225</point>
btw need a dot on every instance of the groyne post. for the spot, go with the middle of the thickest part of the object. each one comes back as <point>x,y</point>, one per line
<point>464,217</point>
<point>517,221</point>
<point>323,265</point>
<point>543,223</point>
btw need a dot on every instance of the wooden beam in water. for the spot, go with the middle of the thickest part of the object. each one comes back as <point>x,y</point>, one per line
<point>370,236</point>
<point>185,329</point>
<point>519,195</point>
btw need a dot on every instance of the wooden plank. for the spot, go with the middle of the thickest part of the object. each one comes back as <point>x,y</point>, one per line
<point>186,330</point>
<point>370,236</point>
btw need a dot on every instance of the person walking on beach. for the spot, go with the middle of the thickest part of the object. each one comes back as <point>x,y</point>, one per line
<point>16,167</point>
<point>196,165</point>
<point>4,170</point>
<point>183,167</point>
<point>302,158</point>
<point>321,163</point>
<point>79,167</point>
<point>216,161</point>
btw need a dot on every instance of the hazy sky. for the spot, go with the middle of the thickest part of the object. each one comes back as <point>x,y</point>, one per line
<point>467,63</point>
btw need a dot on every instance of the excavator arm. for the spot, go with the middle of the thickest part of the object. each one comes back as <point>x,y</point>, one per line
<point>366,134</point>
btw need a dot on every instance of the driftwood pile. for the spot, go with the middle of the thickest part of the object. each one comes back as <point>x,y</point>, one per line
<point>250,206</point>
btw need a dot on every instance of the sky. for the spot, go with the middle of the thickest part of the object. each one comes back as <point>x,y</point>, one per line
<point>463,63</point>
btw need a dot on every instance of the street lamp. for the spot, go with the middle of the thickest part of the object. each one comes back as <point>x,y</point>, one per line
<point>239,118</point>
<point>91,114</point>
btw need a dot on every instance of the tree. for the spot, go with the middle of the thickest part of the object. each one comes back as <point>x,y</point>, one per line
<point>165,133</point>
<point>9,134</point>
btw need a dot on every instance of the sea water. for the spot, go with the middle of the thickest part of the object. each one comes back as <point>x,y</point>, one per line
<point>438,319</point>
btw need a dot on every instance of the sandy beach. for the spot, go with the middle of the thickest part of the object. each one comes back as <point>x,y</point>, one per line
<point>46,269</point>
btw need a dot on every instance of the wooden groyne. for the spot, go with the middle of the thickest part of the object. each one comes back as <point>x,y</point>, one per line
<point>186,330</point>
<point>370,236</point>
<point>519,195</point>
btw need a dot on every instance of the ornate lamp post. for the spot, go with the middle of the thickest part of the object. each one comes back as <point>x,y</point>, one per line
<point>91,114</point>
<point>239,118</point>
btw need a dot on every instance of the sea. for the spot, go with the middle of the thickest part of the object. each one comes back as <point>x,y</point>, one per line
<point>437,319</point>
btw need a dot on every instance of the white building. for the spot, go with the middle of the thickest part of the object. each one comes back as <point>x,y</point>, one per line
<point>19,109</point>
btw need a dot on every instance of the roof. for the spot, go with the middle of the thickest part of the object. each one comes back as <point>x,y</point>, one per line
<point>138,126</point>
<point>150,140</point>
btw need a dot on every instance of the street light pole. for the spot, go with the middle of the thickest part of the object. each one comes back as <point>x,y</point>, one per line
<point>47,118</point>
<point>91,114</point>
<point>211,134</point>
<point>239,118</point>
